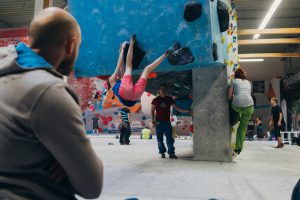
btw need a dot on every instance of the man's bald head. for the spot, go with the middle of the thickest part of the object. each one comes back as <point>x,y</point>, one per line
<point>52,28</point>
<point>55,35</point>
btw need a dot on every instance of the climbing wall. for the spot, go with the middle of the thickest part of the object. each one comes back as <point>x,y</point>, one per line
<point>94,101</point>
<point>105,24</point>
<point>230,41</point>
<point>157,25</point>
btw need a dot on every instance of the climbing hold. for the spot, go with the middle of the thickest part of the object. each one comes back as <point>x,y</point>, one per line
<point>235,17</point>
<point>215,51</point>
<point>105,85</point>
<point>223,39</point>
<point>181,56</point>
<point>138,54</point>
<point>92,108</point>
<point>192,11</point>
<point>173,48</point>
<point>176,93</point>
<point>223,16</point>
<point>152,75</point>
<point>234,39</point>
<point>176,85</point>
<point>109,118</point>
<point>186,87</point>
<point>229,45</point>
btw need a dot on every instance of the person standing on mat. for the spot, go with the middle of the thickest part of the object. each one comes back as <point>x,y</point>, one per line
<point>95,120</point>
<point>160,115</point>
<point>124,127</point>
<point>123,88</point>
<point>259,128</point>
<point>276,120</point>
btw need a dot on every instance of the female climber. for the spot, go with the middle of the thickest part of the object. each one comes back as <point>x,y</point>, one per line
<point>123,87</point>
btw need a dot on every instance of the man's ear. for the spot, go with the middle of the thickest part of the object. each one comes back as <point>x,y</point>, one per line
<point>70,46</point>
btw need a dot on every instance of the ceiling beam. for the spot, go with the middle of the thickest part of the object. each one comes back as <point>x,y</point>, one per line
<point>274,31</point>
<point>269,55</point>
<point>40,5</point>
<point>270,41</point>
<point>46,4</point>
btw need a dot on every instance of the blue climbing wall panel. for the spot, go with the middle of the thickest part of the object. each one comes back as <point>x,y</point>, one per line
<point>158,24</point>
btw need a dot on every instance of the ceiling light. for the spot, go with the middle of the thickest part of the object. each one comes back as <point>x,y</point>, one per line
<point>268,17</point>
<point>252,60</point>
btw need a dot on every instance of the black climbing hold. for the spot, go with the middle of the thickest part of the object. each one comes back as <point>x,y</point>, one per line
<point>223,16</point>
<point>215,51</point>
<point>181,56</point>
<point>192,11</point>
<point>173,48</point>
<point>138,54</point>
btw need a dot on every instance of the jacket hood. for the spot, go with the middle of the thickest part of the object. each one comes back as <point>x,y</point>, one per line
<point>8,64</point>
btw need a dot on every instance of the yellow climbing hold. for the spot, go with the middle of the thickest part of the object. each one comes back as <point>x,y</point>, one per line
<point>235,17</point>
<point>228,47</point>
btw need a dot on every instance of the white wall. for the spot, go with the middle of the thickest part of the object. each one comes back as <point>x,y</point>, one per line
<point>275,82</point>
<point>263,71</point>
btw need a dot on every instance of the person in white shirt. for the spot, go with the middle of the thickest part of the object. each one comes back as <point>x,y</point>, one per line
<point>242,103</point>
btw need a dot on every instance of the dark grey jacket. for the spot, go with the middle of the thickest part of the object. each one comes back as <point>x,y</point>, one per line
<point>40,123</point>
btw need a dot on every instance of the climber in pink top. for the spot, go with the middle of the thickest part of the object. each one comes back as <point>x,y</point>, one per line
<point>127,93</point>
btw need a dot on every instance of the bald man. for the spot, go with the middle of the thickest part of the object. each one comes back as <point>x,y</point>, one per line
<point>44,153</point>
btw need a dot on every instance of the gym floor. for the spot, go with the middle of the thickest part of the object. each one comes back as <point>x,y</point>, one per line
<point>260,172</point>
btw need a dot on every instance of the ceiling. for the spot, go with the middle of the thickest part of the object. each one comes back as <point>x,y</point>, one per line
<point>19,13</point>
<point>250,14</point>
